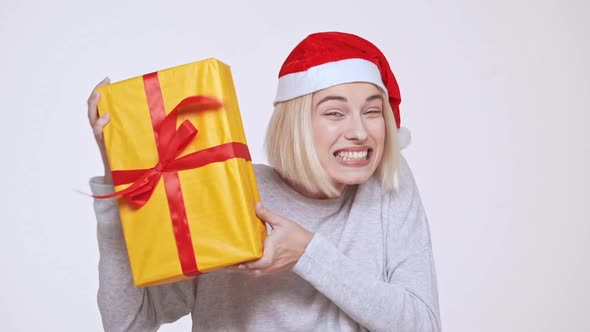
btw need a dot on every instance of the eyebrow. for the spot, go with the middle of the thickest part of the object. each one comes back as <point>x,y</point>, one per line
<point>374,97</point>
<point>340,98</point>
<point>327,98</point>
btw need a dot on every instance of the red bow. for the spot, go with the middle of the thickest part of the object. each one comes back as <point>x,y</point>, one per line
<point>172,142</point>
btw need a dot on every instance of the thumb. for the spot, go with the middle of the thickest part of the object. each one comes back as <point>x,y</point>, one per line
<point>267,215</point>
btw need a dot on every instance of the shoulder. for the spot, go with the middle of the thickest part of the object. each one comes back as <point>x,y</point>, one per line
<point>407,184</point>
<point>406,212</point>
<point>268,182</point>
<point>404,204</point>
<point>264,174</point>
<point>261,168</point>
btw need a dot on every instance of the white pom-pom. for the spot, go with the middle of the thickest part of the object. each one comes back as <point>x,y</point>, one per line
<point>404,137</point>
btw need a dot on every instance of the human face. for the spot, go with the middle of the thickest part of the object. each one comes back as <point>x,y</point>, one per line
<point>349,131</point>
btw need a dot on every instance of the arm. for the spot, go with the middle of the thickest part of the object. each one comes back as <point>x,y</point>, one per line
<point>407,299</point>
<point>407,302</point>
<point>404,300</point>
<point>124,307</point>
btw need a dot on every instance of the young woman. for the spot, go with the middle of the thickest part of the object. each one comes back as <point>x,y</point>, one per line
<point>349,248</point>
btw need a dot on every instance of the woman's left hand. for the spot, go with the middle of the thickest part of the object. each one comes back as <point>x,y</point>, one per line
<point>282,248</point>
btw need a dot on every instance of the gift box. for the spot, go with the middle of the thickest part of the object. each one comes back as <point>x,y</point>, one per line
<point>182,172</point>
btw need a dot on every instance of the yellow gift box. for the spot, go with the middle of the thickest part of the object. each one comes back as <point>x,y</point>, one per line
<point>178,154</point>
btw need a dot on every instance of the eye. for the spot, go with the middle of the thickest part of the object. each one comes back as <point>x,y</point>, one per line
<point>374,111</point>
<point>334,113</point>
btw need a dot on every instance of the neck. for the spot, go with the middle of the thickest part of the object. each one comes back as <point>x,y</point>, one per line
<point>301,190</point>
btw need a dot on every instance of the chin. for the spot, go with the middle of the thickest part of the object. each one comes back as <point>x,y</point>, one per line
<point>352,179</point>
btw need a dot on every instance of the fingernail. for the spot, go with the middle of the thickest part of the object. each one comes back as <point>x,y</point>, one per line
<point>241,266</point>
<point>107,116</point>
<point>258,205</point>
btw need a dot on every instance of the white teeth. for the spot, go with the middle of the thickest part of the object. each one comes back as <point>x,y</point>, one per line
<point>352,155</point>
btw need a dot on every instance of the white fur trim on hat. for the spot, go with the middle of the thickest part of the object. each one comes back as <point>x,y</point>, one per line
<point>326,75</point>
<point>404,137</point>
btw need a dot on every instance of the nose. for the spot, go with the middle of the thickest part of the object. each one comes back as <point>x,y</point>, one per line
<point>356,130</point>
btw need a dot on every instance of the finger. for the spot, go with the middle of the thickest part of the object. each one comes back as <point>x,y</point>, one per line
<point>256,265</point>
<point>93,101</point>
<point>234,267</point>
<point>266,260</point>
<point>99,126</point>
<point>254,273</point>
<point>257,273</point>
<point>92,107</point>
<point>240,266</point>
<point>268,216</point>
<point>263,263</point>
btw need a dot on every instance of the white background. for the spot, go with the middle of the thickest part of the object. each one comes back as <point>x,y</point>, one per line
<point>495,93</point>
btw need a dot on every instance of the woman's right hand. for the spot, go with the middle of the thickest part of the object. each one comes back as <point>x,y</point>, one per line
<point>97,124</point>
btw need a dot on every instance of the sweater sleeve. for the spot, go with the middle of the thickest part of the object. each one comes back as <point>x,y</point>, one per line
<point>405,298</point>
<point>123,306</point>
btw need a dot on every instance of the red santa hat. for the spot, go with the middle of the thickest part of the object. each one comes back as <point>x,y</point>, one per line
<point>326,59</point>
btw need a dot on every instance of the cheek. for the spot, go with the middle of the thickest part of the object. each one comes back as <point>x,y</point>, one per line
<point>325,135</point>
<point>377,130</point>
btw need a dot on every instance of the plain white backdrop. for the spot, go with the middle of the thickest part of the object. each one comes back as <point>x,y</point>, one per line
<point>495,93</point>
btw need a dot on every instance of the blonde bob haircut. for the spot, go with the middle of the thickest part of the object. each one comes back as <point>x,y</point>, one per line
<point>291,151</point>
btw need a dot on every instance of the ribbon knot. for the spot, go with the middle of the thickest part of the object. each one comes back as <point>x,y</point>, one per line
<point>171,143</point>
<point>160,167</point>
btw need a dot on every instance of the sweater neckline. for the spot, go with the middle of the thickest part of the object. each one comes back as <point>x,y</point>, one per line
<point>321,207</point>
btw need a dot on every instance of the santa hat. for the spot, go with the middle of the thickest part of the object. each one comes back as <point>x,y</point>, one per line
<point>326,59</point>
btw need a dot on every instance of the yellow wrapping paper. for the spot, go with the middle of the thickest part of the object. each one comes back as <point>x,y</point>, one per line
<point>219,197</point>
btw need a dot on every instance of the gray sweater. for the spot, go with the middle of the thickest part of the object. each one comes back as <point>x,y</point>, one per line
<point>368,267</point>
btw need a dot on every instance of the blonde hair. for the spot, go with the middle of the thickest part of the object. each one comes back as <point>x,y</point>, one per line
<point>290,148</point>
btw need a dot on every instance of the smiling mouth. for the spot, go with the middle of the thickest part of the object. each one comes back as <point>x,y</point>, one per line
<point>353,155</point>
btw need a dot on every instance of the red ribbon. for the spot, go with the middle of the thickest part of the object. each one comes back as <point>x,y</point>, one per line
<point>170,142</point>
